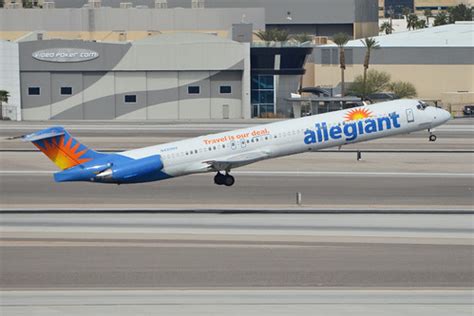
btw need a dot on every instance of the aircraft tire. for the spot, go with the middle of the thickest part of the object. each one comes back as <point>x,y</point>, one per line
<point>432,138</point>
<point>229,180</point>
<point>219,179</point>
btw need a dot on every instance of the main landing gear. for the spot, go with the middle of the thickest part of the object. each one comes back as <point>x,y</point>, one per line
<point>432,136</point>
<point>224,179</point>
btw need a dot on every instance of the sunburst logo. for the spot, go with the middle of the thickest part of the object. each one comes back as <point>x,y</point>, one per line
<point>65,152</point>
<point>357,114</point>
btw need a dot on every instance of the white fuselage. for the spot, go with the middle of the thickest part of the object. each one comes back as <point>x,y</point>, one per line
<point>294,136</point>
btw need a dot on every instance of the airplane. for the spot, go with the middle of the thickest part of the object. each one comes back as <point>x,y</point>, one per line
<point>223,152</point>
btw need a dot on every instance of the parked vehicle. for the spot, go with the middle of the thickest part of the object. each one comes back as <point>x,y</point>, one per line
<point>468,110</point>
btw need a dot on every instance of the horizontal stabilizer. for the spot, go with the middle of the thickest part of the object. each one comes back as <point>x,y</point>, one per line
<point>44,134</point>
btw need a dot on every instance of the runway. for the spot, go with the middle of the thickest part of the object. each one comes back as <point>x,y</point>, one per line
<point>257,264</point>
<point>326,180</point>
<point>356,302</point>
<point>416,262</point>
<point>63,251</point>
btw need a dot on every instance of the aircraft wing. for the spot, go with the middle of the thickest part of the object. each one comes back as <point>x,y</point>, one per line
<point>237,160</point>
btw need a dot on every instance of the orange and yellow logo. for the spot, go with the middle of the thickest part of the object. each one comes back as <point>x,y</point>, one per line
<point>65,153</point>
<point>357,114</point>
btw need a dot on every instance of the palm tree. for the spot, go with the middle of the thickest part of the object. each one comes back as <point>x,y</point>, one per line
<point>272,35</point>
<point>420,24</point>
<point>281,35</point>
<point>302,38</point>
<point>4,95</point>
<point>386,27</point>
<point>370,44</point>
<point>441,19</point>
<point>341,39</point>
<point>412,20</point>
<point>428,14</point>
<point>406,11</point>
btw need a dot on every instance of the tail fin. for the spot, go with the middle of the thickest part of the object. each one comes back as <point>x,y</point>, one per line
<point>65,151</point>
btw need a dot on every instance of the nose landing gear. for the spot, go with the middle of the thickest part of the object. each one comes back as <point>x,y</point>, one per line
<point>432,136</point>
<point>224,179</point>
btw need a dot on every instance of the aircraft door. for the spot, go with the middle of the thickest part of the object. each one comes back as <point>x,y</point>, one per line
<point>410,116</point>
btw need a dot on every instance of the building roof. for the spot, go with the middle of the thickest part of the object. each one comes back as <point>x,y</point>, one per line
<point>183,38</point>
<point>460,34</point>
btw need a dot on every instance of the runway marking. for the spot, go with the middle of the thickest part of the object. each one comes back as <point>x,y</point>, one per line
<point>293,173</point>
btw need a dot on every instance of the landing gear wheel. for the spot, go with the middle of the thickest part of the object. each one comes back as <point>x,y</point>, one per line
<point>432,138</point>
<point>229,180</point>
<point>219,178</point>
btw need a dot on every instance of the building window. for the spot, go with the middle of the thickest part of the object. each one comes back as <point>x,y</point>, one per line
<point>194,89</point>
<point>130,98</point>
<point>225,89</point>
<point>325,56</point>
<point>34,91</point>
<point>66,90</point>
<point>263,95</point>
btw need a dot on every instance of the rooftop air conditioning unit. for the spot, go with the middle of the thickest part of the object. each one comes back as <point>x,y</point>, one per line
<point>197,4</point>
<point>161,4</point>
<point>48,5</point>
<point>95,4</point>
<point>125,5</point>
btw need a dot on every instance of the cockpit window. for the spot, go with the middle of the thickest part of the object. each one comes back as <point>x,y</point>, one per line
<point>421,105</point>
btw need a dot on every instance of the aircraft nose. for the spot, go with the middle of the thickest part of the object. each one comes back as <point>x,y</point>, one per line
<point>444,115</point>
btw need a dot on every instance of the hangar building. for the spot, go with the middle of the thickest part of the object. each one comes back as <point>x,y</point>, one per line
<point>175,76</point>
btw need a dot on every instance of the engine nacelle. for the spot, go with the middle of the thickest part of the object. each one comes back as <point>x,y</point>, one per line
<point>115,169</point>
<point>140,170</point>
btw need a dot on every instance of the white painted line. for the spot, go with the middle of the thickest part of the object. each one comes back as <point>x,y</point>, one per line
<point>294,173</point>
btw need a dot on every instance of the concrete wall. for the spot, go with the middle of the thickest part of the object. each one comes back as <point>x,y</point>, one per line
<point>433,70</point>
<point>159,95</point>
<point>108,19</point>
<point>10,75</point>
<point>302,11</point>
<point>431,81</point>
<point>403,55</point>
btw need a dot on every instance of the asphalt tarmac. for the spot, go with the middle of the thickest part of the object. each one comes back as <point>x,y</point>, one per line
<point>310,258</point>
<point>84,251</point>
